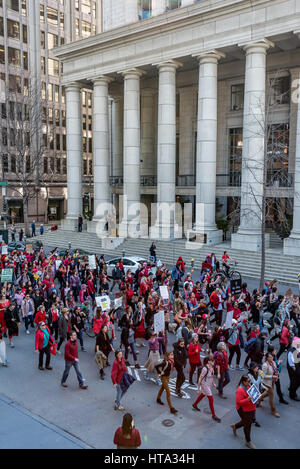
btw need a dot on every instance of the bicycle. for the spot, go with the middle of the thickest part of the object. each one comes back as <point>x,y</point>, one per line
<point>226,273</point>
<point>88,329</point>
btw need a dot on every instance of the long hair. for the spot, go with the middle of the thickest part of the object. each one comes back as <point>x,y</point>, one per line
<point>127,424</point>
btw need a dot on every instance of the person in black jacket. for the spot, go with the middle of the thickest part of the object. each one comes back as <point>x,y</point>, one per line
<point>257,353</point>
<point>180,358</point>
<point>117,276</point>
<point>12,321</point>
<point>102,349</point>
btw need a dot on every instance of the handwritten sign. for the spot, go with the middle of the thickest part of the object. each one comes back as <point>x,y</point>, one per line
<point>164,293</point>
<point>103,302</point>
<point>57,264</point>
<point>228,322</point>
<point>4,250</point>
<point>92,262</point>
<point>118,303</point>
<point>6,275</point>
<point>159,322</point>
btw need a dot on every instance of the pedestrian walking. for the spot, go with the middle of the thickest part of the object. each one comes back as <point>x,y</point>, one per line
<point>42,229</point>
<point>180,358</point>
<point>206,381</point>
<point>270,376</point>
<point>117,372</point>
<point>222,368</point>
<point>80,222</point>
<point>246,410</point>
<point>194,350</point>
<point>164,369</point>
<point>27,309</point>
<point>43,340</point>
<point>71,359</point>
<point>103,348</point>
<point>13,233</point>
<point>153,357</point>
<point>12,321</point>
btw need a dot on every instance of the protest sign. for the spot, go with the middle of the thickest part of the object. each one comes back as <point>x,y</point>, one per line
<point>118,303</point>
<point>164,293</point>
<point>57,264</point>
<point>6,275</point>
<point>228,322</point>
<point>4,250</point>
<point>254,393</point>
<point>159,322</point>
<point>92,262</point>
<point>29,249</point>
<point>103,302</point>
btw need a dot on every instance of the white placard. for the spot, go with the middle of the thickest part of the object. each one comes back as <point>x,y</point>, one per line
<point>228,322</point>
<point>92,262</point>
<point>57,264</point>
<point>164,292</point>
<point>4,250</point>
<point>1,239</point>
<point>118,303</point>
<point>103,302</point>
<point>244,316</point>
<point>159,322</point>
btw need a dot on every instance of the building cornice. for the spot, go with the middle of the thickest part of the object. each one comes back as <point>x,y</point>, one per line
<point>203,12</point>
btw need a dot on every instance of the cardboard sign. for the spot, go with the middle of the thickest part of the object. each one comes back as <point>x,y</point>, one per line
<point>29,248</point>
<point>236,286</point>
<point>159,322</point>
<point>4,250</point>
<point>92,262</point>
<point>118,303</point>
<point>103,302</point>
<point>228,322</point>
<point>57,264</point>
<point>254,393</point>
<point>164,292</point>
<point>6,275</point>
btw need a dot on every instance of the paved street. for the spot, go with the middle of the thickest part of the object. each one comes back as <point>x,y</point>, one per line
<point>89,415</point>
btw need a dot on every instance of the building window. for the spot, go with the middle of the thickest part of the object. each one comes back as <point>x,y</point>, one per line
<point>53,67</point>
<point>85,168</point>
<point>280,90</point>
<point>145,9</point>
<point>24,8</point>
<point>43,41</point>
<point>13,29</point>
<point>52,40</point>
<point>86,7</point>
<point>13,166</point>
<point>42,14</point>
<point>172,4</point>
<point>13,4</point>
<point>278,154</point>
<point>24,34</point>
<point>14,57</point>
<point>235,156</point>
<point>86,29</point>
<point>15,83</point>
<point>43,65</point>
<point>52,16</point>
<point>45,165</point>
<point>2,58</point>
<point>237,97</point>
<point>5,163</point>
<point>1,26</point>
<point>50,92</point>
<point>58,165</point>
<point>25,60</point>
<point>56,96</point>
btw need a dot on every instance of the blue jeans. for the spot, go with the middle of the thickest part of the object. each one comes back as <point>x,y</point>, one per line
<point>223,381</point>
<point>133,349</point>
<point>119,396</point>
<point>29,319</point>
<point>68,366</point>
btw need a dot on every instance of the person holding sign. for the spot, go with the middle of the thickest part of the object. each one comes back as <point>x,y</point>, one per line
<point>246,410</point>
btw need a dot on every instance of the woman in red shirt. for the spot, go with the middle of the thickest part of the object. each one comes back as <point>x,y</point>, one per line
<point>194,358</point>
<point>127,437</point>
<point>284,338</point>
<point>117,372</point>
<point>246,410</point>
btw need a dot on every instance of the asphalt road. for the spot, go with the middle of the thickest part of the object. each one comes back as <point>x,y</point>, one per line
<point>89,417</point>
<point>36,412</point>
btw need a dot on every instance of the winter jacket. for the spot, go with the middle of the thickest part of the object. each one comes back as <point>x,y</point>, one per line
<point>64,326</point>
<point>180,356</point>
<point>39,338</point>
<point>118,370</point>
<point>71,351</point>
<point>194,353</point>
<point>242,401</point>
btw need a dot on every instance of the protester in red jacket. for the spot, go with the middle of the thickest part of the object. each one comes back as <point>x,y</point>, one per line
<point>117,372</point>
<point>43,340</point>
<point>40,315</point>
<point>71,359</point>
<point>222,367</point>
<point>246,410</point>
<point>194,357</point>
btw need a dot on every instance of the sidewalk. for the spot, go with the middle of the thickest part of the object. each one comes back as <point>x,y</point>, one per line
<point>20,429</point>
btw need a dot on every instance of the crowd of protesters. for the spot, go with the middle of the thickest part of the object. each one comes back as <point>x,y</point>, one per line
<point>206,326</point>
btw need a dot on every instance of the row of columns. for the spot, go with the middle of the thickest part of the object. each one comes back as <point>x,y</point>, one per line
<point>248,236</point>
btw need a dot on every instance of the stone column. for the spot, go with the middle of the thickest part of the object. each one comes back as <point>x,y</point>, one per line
<point>166,151</point>
<point>117,136</point>
<point>101,155</point>
<point>132,150</point>
<point>147,133</point>
<point>186,131</point>
<point>292,244</point>
<point>74,154</point>
<point>206,160</point>
<point>248,236</point>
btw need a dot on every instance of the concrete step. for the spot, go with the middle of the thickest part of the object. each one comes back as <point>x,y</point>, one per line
<point>284,268</point>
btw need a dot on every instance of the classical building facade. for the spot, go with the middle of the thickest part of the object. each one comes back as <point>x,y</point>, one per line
<point>193,86</point>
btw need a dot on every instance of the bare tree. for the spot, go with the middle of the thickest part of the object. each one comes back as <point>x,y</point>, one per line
<point>22,142</point>
<point>268,174</point>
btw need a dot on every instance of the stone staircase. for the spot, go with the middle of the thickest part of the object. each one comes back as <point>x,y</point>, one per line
<point>284,268</point>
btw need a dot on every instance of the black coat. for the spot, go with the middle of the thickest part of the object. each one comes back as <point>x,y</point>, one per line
<point>180,356</point>
<point>103,343</point>
<point>11,318</point>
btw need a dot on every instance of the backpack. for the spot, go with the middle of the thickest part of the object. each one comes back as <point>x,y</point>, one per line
<point>249,345</point>
<point>179,333</point>
<point>174,274</point>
